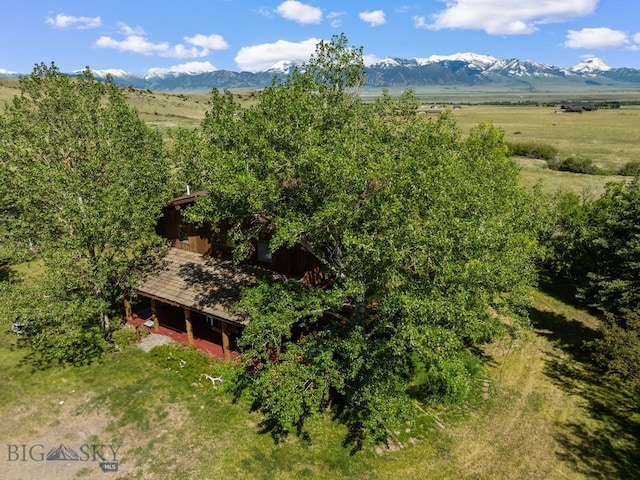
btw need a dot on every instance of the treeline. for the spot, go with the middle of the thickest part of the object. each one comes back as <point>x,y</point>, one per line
<point>550,154</point>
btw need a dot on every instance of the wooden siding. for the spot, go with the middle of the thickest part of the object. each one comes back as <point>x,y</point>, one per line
<point>196,239</point>
<point>294,261</point>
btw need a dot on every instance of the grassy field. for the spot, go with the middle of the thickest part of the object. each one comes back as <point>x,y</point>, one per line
<point>538,412</point>
<point>606,137</point>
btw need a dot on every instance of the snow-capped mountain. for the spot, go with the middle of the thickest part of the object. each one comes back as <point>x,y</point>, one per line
<point>283,67</point>
<point>114,72</point>
<point>457,69</point>
<point>474,60</point>
<point>591,65</point>
<point>513,67</point>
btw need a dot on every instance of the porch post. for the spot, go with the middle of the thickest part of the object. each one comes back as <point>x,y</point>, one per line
<point>225,341</point>
<point>154,316</point>
<point>127,310</point>
<point>187,321</point>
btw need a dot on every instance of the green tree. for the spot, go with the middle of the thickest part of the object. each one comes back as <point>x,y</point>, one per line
<point>86,180</point>
<point>596,244</point>
<point>424,236</point>
<point>613,282</point>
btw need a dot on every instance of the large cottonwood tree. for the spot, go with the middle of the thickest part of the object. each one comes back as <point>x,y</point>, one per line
<point>85,179</point>
<point>425,236</point>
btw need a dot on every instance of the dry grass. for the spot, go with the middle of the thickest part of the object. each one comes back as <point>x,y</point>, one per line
<point>166,111</point>
<point>605,136</point>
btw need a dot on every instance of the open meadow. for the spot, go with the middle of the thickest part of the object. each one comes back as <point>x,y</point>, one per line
<point>607,137</point>
<point>538,410</point>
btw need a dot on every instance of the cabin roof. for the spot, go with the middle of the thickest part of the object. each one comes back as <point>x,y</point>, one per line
<point>188,198</point>
<point>208,285</point>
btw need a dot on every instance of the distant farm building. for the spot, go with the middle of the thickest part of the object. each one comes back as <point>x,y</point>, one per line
<point>588,107</point>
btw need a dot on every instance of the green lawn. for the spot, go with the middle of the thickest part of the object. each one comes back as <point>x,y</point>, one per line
<point>547,414</point>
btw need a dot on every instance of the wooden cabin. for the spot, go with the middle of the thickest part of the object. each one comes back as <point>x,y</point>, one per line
<point>196,284</point>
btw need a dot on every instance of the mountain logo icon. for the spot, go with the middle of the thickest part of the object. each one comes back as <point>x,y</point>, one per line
<point>62,452</point>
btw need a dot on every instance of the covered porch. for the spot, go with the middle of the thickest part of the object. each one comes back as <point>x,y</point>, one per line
<point>170,322</point>
<point>190,299</point>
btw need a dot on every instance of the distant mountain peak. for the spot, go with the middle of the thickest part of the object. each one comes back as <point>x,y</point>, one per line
<point>114,72</point>
<point>590,65</point>
<point>475,60</point>
<point>281,67</point>
<point>442,70</point>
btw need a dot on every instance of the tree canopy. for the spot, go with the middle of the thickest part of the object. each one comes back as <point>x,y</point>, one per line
<point>596,244</point>
<point>85,180</point>
<point>425,237</point>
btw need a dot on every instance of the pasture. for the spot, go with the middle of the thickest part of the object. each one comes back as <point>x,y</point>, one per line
<point>607,137</point>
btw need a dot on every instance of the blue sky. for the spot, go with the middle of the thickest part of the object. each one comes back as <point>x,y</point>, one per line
<point>252,35</point>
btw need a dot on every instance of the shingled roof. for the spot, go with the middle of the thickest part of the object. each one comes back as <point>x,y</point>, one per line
<point>208,285</point>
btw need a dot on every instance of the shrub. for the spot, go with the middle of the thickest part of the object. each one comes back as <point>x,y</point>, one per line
<point>193,364</point>
<point>447,380</point>
<point>630,169</point>
<point>575,165</point>
<point>126,336</point>
<point>533,150</point>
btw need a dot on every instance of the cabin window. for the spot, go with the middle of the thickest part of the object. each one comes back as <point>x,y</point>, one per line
<point>264,252</point>
<point>183,233</point>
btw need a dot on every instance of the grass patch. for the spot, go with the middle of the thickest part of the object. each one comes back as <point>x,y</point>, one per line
<point>538,410</point>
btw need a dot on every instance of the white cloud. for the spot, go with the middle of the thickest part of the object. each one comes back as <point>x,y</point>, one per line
<point>419,21</point>
<point>128,30</point>
<point>335,18</point>
<point>405,8</point>
<point>374,18</point>
<point>299,12</point>
<point>258,58</point>
<point>600,38</point>
<point>265,12</point>
<point>189,67</point>
<point>68,21</point>
<point>6,72</point>
<point>497,17</point>
<point>370,59</point>
<point>132,43</point>
<point>210,42</point>
<point>136,41</point>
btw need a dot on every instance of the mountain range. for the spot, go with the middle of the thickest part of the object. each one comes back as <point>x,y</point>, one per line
<point>462,69</point>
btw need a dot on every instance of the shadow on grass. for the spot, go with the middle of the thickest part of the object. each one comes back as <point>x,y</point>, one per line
<point>7,274</point>
<point>605,444</point>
